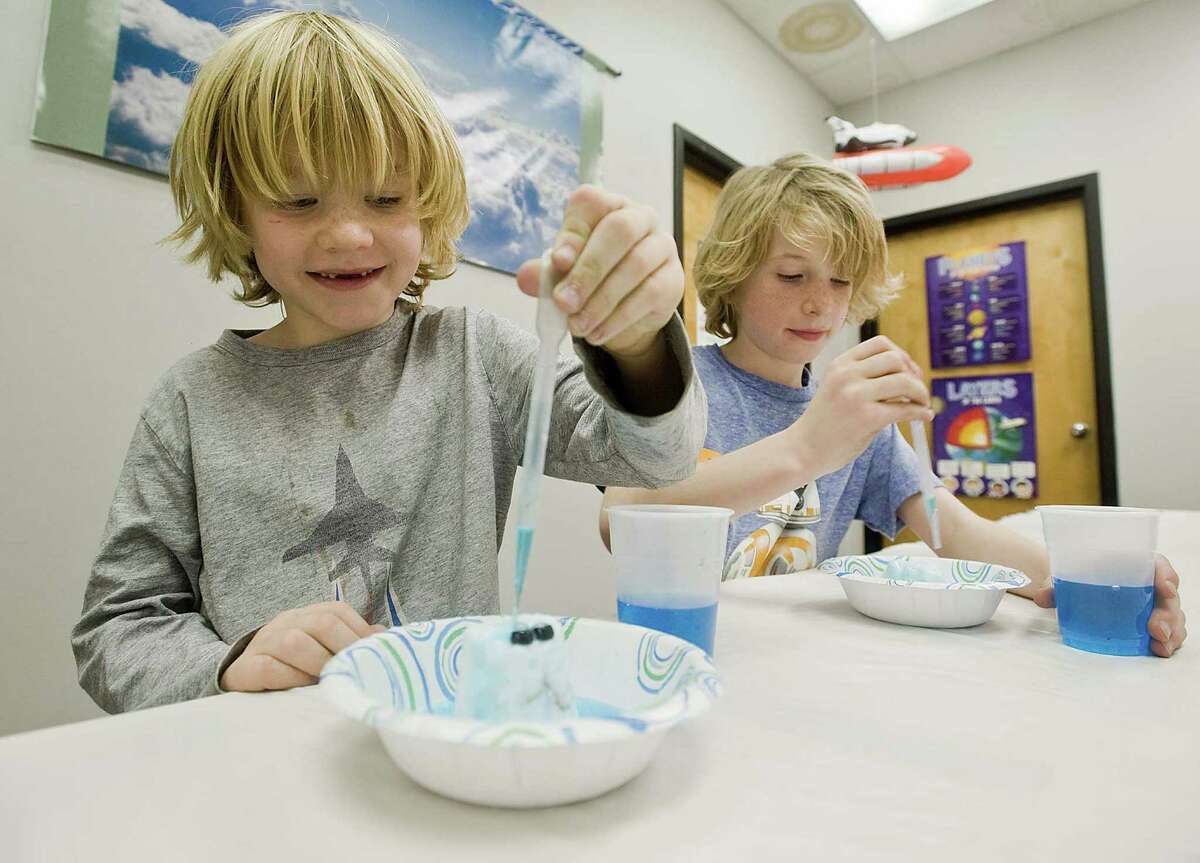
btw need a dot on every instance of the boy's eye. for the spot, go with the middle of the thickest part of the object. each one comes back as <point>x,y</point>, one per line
<point>791,277</point>
<point>387,201</point>
<point>296,204</point>
<point>841,283</point>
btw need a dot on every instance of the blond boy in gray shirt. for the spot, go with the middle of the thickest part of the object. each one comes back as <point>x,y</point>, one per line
<point>289,491</point>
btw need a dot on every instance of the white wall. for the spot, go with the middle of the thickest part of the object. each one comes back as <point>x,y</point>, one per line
<point>95,310</point>
<point>1117,97</point>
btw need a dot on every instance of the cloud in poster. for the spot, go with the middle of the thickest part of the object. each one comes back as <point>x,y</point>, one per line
<point>158,161</point>
<point>437,75</point>
<point>337,7</point>
<point>459,107</point>
<point>519,180</point>
<point>151,102</point>
<point>523,46</point>
<point>168,28</point>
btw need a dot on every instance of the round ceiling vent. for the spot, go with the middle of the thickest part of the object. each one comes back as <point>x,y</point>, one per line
<point>819,27</point>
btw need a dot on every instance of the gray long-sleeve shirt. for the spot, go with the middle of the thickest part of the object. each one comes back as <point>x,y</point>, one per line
<point>376,469</point>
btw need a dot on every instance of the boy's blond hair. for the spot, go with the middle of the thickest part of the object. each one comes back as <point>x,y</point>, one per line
<point>330,99</point>
<point>807,199</point>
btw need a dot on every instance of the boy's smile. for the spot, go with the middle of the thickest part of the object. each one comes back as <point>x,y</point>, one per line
<point>346,280</point>
<point>808,335</point>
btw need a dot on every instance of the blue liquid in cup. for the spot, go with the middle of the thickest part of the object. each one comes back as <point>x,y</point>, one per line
<point>1102,618</point>
<point>697,624</point>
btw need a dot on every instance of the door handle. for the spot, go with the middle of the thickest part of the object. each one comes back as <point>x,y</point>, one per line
<point>1080,429</point>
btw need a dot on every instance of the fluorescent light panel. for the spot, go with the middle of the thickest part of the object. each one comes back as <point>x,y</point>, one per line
<point>895,19</point>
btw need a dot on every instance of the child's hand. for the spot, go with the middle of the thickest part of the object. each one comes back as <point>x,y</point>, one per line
<point>624,279</point>
<point>866,389</point>
<point>1167,625</point>
<point>292,649</point>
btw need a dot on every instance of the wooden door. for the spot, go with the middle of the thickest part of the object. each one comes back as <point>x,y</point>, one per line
<point>700,193</point>
<point>1060,317</point>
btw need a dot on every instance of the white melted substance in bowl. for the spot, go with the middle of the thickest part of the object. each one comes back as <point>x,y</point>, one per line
<point>515,674</point>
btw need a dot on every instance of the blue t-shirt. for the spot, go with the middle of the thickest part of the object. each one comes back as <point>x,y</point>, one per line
<point>744,408</point>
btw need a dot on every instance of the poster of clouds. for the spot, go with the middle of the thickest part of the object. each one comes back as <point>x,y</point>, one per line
<point>523,99</point>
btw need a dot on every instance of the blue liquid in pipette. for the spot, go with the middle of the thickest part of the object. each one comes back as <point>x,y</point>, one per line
<point>524,545</point>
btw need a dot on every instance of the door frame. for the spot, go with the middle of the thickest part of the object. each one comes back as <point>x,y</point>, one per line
<point>1086,189</point>
<point>692,151</point>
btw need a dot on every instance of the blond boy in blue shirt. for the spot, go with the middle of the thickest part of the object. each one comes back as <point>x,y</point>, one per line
<point>795,251</point>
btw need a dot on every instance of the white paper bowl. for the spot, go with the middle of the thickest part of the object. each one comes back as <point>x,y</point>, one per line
<point>966,594</point>
<point>402,683</point>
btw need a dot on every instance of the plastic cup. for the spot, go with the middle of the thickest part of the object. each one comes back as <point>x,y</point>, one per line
<point>1102,563</point>
<point>669,561</point>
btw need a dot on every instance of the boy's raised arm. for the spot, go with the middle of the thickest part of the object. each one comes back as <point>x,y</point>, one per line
<point>967,536</point>
<point>619,282</point>
<point>849,409</point>
<point>742,480</point>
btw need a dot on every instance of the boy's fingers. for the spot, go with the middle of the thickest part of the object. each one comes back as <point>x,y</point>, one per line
<point>331,632</point>
<point>300,650</point>
<point>886,363</point>
<point>617,233</point>
<point>351,618</point>
<point>1167,626</point>
<point>622,324</point>
<point>899,385</point>
<point>1159,626</point>
<point>1170,646</point>
<point>1167,604</point>
<point>585,208</point>
<point>1160,649</point>
<point>529,277</point>
<point>267,672</point>
<point>631,273</point>
<point>1166,579</point>
<point>880,345</point>
<point>903,412</point>
<point>872,346</point>
<point>1044,597</point>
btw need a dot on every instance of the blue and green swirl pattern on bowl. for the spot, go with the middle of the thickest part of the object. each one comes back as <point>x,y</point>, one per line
<point>927,573</point>
<point>626,679</point>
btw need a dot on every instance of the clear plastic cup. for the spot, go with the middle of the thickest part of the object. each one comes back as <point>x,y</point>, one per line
<point>669,561</point>
<point>1102,563</point>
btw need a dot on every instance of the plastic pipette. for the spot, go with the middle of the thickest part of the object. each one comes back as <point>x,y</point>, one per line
<point>551,327</point>
<point>924,467</point>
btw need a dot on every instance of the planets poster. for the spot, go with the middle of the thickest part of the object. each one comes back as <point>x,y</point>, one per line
<point>978,304</point>
<point>985,440</point>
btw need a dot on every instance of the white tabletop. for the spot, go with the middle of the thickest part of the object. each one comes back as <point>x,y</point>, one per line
<point>839,737</point>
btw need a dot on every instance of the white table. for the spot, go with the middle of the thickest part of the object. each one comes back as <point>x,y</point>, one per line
<point>839,738</point>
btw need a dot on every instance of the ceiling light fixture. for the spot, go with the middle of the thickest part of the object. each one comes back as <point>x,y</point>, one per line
<point>895,19</point>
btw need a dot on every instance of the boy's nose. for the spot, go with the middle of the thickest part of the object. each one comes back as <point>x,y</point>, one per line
<point>345,232</point>
<point>815,302</point>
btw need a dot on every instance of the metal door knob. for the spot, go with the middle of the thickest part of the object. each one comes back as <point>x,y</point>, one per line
<point>1080,429</point>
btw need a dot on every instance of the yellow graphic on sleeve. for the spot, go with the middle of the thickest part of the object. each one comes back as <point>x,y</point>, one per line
<point>786,543</point>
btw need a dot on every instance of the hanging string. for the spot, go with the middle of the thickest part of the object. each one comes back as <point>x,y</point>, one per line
<point>874,86</point>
